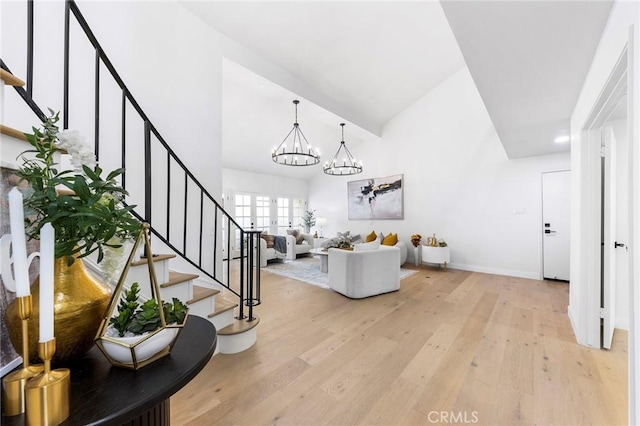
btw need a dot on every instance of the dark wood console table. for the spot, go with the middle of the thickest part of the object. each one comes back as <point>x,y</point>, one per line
<point>105,395</point>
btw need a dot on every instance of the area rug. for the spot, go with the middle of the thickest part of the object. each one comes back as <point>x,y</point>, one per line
<point>307,269</point>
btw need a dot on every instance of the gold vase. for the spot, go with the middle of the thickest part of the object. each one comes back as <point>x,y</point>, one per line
<point>80,302</point>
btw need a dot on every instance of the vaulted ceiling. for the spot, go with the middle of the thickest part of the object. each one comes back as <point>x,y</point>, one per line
<point>528,60</point>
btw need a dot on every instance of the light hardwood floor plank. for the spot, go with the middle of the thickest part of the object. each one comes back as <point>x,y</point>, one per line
<point>449,344</point>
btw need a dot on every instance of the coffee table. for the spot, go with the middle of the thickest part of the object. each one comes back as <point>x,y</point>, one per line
<point>324,258</point>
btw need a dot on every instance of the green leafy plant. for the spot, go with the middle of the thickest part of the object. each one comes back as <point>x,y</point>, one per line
<point>308,220</point>
<point>140,319</point>
<point>174,312</point>
<point>146,319</point>
<point>126,310</point>
<point>89,214</point>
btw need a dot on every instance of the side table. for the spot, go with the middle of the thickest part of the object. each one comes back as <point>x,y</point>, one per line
<point>317,242</point>
<point>438,255</point>
<point>106,395</point>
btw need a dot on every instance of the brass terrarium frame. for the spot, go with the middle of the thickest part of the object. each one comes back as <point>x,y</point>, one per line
<point>102,337</point>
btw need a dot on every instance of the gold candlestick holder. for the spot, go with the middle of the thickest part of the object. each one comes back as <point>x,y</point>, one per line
<point>47,395</point>
<point>13,385</point>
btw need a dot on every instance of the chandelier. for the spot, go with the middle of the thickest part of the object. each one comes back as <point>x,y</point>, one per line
<point>299,153</point>
<point>343,164</point>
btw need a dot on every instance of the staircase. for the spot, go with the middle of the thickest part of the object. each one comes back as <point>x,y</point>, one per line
<point>215,279</point>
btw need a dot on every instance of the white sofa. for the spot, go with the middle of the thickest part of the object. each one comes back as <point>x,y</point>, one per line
<point>293,250</point>
<point>359,274</point>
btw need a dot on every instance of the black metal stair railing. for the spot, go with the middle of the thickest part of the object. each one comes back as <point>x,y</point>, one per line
<point>198,210</point>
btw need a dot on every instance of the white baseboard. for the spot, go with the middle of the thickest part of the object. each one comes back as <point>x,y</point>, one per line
<point>496,271</point>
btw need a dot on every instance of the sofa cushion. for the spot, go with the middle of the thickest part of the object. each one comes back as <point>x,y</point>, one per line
<point>296,234</point>
<point>269,239</point>
<point>373,245</point>
<point>390,240</point>
<point>371,237</point>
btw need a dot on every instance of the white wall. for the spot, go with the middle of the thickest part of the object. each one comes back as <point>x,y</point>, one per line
<point>614,39</point>
<point>622,26</point>
<point>458,183</point>
<point>239,181</point>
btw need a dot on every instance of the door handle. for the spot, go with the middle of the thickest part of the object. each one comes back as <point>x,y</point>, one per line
<point>548,231</point>
<point>617,244</point>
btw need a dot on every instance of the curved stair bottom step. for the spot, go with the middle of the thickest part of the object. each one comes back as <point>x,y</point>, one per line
<point>237,337</point>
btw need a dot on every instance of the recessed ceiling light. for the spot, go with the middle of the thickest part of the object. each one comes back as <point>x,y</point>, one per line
<point>562,139</point>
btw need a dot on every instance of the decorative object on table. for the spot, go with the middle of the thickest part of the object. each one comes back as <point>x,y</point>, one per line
<point>87,215</point>
<point>343,163</point>
<point>308,220</point>
<point>47,394</point>
<point>315,234</point>
<point>415,240</point>
<point>341,242</point>
<point>442,243</point>
<point>376,198</point>
<point>432,241</point>
<point>138,335</point>
<point>321,222</point>
<point>300,152</point>
<point>40,392</point>
<point>14,384</point>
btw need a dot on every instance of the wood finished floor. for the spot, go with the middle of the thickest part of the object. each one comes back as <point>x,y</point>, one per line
<point>495,349</point>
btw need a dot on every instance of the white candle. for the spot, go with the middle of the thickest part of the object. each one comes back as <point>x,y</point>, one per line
<point>18,243</point>
<point>47,242</point>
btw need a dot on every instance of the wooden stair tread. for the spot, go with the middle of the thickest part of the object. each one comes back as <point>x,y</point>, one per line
<point>157,258</point>
<point>178,278</point>
<point>222,305</point>
<point>200,293</point>
<point>10,131</point>
<point>10,79</point>
<point>239,326</point>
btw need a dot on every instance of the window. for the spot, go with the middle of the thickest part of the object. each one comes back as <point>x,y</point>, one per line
<point>284,218</point>
<point>263,216</point>
<point>299,207</point>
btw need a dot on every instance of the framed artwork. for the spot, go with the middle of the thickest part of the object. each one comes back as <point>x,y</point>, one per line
<point>376,198</point>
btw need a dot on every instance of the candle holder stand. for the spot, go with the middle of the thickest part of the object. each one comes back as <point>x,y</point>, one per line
<point>47,395</point>
<point>13,385</point>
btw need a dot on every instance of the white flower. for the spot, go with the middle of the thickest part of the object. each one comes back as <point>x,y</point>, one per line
<point>74,143</point>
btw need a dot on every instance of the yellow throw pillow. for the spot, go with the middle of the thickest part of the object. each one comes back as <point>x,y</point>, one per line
<point>371,237</point>
<point>390,240</point>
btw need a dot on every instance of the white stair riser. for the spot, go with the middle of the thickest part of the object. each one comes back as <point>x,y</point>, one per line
<point>183,291</point>
<point>235,343</point>
<point>203,307</point>
<point>222,320</point>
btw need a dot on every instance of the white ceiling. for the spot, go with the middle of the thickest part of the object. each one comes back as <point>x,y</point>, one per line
<point>528,59</point>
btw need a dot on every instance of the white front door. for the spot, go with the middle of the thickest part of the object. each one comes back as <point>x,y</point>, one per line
<point>556,203</point>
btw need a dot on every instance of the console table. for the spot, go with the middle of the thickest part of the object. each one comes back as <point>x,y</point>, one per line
<point>102,394</point>
<point>439,255</point>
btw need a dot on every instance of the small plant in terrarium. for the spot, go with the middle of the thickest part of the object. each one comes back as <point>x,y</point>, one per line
<point>136,319</point>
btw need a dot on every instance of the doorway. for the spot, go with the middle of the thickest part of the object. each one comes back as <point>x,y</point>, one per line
<point>556,216</point>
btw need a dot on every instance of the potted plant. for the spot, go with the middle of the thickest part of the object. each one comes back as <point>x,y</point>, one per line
<point>87,212</point>
<point>141,332</point>
<point>308,220</point>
